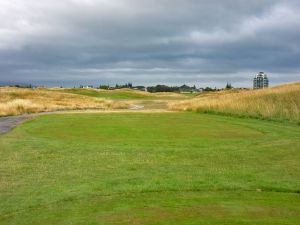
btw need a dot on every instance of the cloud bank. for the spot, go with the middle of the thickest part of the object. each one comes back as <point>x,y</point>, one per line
<point>72,42</point>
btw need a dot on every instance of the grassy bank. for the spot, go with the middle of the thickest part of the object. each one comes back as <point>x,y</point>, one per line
<point>109,94</point>
<point>166,168</point>
<point>123,94</point>
<point>15,101</point>
<point>278,103</point>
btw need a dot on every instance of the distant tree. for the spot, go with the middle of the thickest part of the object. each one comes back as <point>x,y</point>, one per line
<point>139,87</point>
<point>163,88</point>
<point>106,87</point>
<point>228,86</point>
<point>208,89</point>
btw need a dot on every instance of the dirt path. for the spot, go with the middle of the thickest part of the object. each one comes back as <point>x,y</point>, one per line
<point>8,123</point>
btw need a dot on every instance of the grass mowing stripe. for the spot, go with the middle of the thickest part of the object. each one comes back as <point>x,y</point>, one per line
<point>102,168</point>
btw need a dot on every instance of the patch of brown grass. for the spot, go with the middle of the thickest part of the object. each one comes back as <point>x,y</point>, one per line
<point>281,102</point>
<point>16,101</point>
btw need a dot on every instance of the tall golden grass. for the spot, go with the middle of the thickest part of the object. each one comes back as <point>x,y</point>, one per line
<point>16,101</point>
<point>278,103</point>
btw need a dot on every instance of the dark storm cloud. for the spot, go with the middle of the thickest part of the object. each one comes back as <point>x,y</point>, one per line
<point>73,42</point>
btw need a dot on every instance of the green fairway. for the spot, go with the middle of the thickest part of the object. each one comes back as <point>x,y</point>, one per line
<point>142,168</point>
<point>110,94</point>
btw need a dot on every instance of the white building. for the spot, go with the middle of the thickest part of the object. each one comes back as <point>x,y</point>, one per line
<point>260,81</point>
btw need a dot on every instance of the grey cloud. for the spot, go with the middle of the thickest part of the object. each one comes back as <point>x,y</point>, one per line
<point>146,42</point>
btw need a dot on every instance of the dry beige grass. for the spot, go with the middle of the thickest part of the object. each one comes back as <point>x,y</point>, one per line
<point>155,94</point>
<point>16,101</point>
<point>281,102</point>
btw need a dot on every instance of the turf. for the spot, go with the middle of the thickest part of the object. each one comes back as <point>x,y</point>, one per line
<point>109,94</point>
<point>126,94</point>
<point>138,168</point>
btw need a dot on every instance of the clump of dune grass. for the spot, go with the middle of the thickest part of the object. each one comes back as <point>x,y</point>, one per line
<point>16,101</point>
<point>277,103</point>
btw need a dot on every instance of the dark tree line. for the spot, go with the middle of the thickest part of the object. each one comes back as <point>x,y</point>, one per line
<point>165,88</point>
<point>162,88</point>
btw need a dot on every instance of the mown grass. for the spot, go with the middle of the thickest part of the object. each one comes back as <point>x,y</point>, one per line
<point>278,103</point>
<point>110,94</point>
<point>164,168</point>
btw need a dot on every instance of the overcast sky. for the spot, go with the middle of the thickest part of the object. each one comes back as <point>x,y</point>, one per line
<point>202,42</point>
